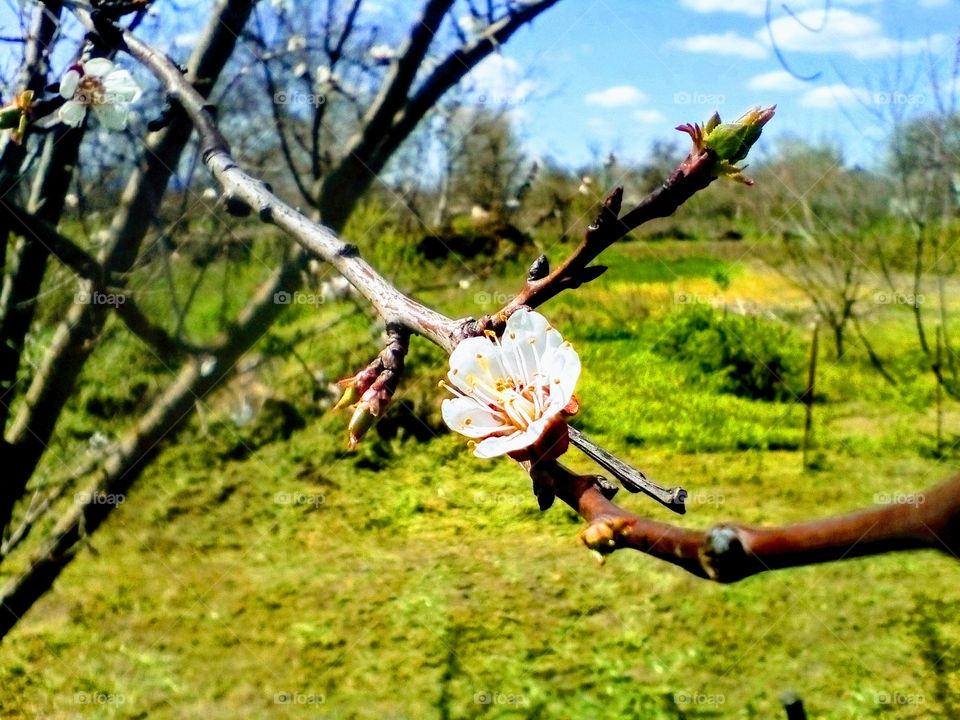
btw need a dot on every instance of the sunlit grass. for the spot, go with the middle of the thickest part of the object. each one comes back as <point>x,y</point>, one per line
<point>412,580</point>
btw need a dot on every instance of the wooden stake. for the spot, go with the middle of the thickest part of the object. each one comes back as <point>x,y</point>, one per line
<point>807,398</point>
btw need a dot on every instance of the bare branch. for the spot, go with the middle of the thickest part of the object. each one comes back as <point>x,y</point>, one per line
<point>729,552</point>
<point>52,384</point>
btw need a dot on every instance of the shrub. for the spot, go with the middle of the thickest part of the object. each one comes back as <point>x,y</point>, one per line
<point>745,356</point>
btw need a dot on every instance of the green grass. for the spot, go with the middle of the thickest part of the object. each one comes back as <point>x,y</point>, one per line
<point>413,581</point>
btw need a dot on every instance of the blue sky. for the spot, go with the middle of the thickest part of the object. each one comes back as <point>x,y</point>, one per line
<point>594,76</point>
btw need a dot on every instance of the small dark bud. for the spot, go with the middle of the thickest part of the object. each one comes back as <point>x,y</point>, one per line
<point>606,488</point>
<point>348,250</point>
<point>182,69</point>
<point>236,206</point>
<point>614,201</point>
<point>539,269</point>
<point>162,120</point>
<point>543,490</point>
<point>266,213</point>
<point>211,110</point>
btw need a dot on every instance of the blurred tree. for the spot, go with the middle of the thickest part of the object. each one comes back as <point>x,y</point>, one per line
<point>822,212</point>
<point>484,164</point>
<point>924,167</point>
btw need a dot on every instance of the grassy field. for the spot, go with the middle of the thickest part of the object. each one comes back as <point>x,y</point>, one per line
<point>262,571</point>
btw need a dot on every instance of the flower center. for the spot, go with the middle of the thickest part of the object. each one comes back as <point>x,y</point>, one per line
<point>90,91</point>
<point>519,404</point>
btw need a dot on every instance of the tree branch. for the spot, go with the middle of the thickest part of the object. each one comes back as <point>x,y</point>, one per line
<point>27,225</point>
<point>240,187</point>
<point>729,552</point>
<point>72,343</point>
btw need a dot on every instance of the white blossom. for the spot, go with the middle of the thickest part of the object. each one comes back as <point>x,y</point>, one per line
<point>101,85</point>
<point>471,25</point>
<point>382,54</point>
<point>513,390</point>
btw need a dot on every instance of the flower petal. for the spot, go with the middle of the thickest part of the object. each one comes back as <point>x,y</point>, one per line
<point>562,367</point>
<point>98,67</point>
<point>68,84</point>
<point>467,417</point>
<point>112,117</point>
<point>501,445</point>
<point>475,361</point>
<point>120,87</point>
<point>71,113</point>
<point>526,339</point>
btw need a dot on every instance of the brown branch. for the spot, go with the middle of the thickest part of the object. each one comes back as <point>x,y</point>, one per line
<point>729,552</point>
<point>692,175</point>
<point>630,478</point>
<point>278,119</point>
<point>403,71</point>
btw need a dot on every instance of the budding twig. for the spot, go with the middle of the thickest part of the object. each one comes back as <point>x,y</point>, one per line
<point>631,478</point>
<point>370,391</point>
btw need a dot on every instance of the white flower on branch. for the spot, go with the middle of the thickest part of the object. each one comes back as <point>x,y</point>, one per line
<point>515,393</point>
<point>382,54</point>
<point>471,25</point>
<point>101,85</point>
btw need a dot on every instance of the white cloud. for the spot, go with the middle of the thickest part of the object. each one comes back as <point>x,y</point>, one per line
<point>648,117</point>
<point>499,80</point>
<point>745,7</point>
<point>613,97</point>
<point>844,32</point>
<point>729,43</point>
<point>778,80</point>
<point>830,97</point>
<point>187,39</point>
<point>757,8</point>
